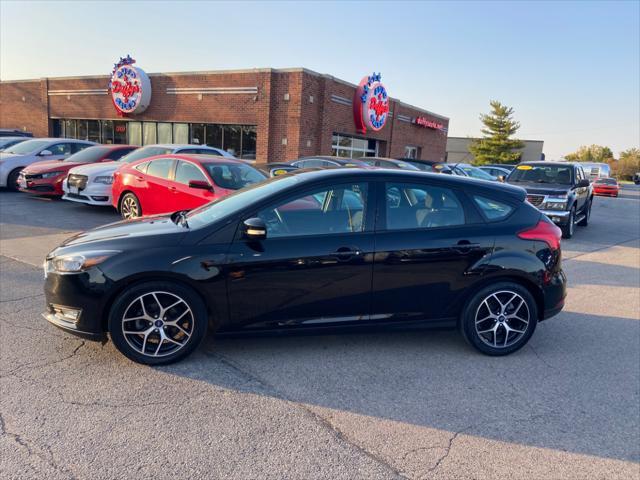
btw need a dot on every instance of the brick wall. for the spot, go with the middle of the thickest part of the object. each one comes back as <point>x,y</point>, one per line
<point>307,120</point>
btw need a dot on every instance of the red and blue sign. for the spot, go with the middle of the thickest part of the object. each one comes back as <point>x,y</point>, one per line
<point>370,104</point>
<point>130,87</point>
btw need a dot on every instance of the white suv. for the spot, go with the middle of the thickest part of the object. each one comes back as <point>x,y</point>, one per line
<point>91,184</point>
<point>23,154</point>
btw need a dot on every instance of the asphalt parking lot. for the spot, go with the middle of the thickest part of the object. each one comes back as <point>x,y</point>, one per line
<point>378,405</point>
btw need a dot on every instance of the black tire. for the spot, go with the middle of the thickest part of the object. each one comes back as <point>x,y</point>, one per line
<point>587,214</point>
<point>568,229</point>
<point>151,340</point>
<point>129,206</point>
<point>12,179</point>
<point>513,341</point>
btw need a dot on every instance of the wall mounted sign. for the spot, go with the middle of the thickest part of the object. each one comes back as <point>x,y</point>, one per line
<point>426,123</point>
<point>370,104</point>
<point>129,87</point>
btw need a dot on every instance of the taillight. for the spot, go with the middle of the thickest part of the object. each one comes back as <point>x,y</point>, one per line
<point>544,231</point>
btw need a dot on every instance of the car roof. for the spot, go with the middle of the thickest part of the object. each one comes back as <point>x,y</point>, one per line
<point>545,162</point>
<point>174,146</point>
<point>202,158</point>
<point>54,139</point>
<point>309,175</point>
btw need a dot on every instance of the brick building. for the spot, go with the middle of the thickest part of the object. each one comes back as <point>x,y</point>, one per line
<point>267,114</point>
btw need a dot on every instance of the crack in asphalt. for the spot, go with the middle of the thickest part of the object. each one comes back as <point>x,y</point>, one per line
<point>317,418</point>
<point>35,365</point>
<point>48,459</point>
<point>22,298</point>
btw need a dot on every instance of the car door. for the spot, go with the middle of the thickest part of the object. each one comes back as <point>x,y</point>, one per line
<point>184,196</point>
<point>315,266</point>
<point>581,192</point>
<point>60,151</point>
<point>153,192</point>
<point>428,240</point>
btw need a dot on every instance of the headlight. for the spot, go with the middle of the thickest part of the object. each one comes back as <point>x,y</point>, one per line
<point>51,174</point>
<point>74,263</point>
<point>555,202</point>
<point>106,179</point>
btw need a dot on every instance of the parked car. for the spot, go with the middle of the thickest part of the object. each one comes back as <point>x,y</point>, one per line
<point>465,169</point>
<point>636,178</point>
<point>428,165</point>
<point>91,184</point>
<point>382,162</point>
<point>14,132</point>
<point>169,183</point>
<point>6,142</point>
<point>23,154</point>
<point>276,168</point>
<point>497,172</point>
<point>441,252</point>
<point>606,186</point>
<point>507,166</point>
<point>46,177</point>
<point>561,190</point>
<point>324,161</point>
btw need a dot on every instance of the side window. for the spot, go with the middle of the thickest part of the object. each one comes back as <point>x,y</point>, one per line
<point>142,167</point>
<point>186,171</point>
<point>117,154</point>
<point>411,206</point>
<point>493,209</point>
<point>160,168</point>
<point>60,149</point>
<point>335,210</point>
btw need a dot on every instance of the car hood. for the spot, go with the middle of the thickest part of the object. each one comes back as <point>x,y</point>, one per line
<point>543,188</point>
<point>50,166</point>
<point>95,169</point>
<point>148,232</point>
<point>5,155</point>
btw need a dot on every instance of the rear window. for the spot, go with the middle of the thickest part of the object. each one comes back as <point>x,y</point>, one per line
<point>144,152</point>
<point>607,181</point>
<point>493,209</point>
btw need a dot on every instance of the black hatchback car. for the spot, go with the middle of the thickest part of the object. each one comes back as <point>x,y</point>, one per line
<point>312,251</point>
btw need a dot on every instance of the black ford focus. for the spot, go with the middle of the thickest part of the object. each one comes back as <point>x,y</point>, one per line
<point>313,251</point>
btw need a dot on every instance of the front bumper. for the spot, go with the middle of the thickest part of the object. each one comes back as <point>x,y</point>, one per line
<point>559,217</point>
<point>72,328</point>
<point>41,186</point>
<point>93,194</point>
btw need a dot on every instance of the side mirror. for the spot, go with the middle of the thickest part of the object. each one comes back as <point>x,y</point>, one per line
<point>584,183</point>
<point>45,153</point>
<point>201,184</point>
<point>254,229</point>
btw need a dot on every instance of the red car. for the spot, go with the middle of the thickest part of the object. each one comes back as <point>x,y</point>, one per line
<point>169,183</point>
<point>45,178</point>
<point>606,186</point>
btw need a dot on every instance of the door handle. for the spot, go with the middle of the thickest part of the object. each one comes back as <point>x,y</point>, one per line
<point>139,178</point>
<point>173,189</point>
<point>465,246</point>
<point>346,253</point>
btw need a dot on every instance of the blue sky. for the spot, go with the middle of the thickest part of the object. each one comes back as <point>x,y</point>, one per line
<point>569,69</point>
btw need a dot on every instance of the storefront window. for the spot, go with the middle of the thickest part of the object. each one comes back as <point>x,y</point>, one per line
<point>93,130</point>
<point>181,133</point>
<point>70,128</point>
<point>232,139</point>
<point>353,147</point>
<point>82,130</point>
<point>107,131</point>
<point>164,133</point>
<point>213,135</point>
<point>248,143</point>
<point>135,133</point>
<point>197,133</point>
<point>149,133</point>
<point>120,133</point>
<point>410,152</point>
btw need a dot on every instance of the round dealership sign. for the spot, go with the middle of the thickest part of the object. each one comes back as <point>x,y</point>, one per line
<point>130,87</point>
<point>371,104</point>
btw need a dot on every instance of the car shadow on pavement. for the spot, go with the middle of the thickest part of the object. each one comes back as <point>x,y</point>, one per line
<point>554,393</point>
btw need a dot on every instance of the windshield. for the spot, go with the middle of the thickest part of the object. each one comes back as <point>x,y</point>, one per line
<point>558,174</point>
<point>145,152</point>
<point>239,200</point>
<point>10,141</point>
<point>88,155</point>
<point>30,146</point>
<point>474,172</point>
<point>233,176</point>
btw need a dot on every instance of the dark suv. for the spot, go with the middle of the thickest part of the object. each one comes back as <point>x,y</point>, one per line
<point>561,190</point>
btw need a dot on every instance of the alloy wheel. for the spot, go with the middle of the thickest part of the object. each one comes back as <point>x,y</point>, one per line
<point>157,324</point>
<point>502,319</point>
<point>129,208</point>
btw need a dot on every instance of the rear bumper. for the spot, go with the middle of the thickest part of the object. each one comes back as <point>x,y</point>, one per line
<point>555,294</point>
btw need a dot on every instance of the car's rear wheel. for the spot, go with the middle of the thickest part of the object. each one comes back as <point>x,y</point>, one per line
<point>130,206</point>
<point>499,319</point>
<point>568,229</point>
<point>157,323</point>
<point>12,179</point>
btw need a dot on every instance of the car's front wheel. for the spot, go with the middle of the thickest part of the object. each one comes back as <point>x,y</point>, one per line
<point>130,206</point>
<point>157,323</point>
<point>12,179</point>
<point>587,214</point>
<point>499,319</point>
<point>569,227</point>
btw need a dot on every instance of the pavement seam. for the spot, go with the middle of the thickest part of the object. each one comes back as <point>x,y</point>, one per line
<point>319,419</point>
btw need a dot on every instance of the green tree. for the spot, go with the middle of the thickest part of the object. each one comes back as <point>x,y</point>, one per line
<point>497,146</point>
<point>590,153</point>
<point>629,164</point>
